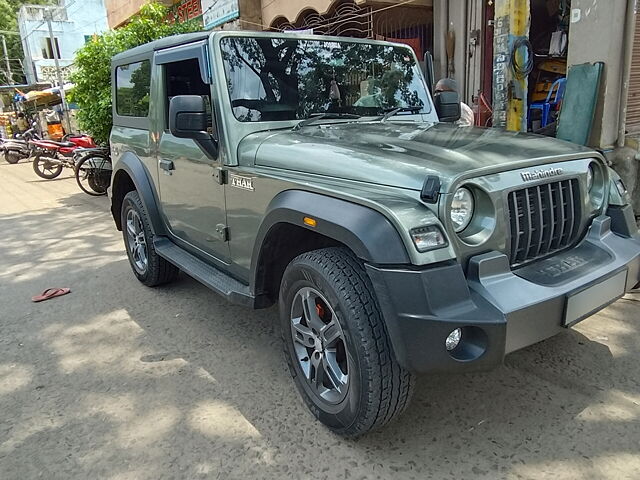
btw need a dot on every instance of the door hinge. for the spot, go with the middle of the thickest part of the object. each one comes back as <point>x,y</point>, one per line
<point>223,232</point>
<point>220,175</point>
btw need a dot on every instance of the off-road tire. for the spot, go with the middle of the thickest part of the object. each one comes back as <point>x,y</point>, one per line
<point>37,161</point>
<point>379,389</point>
<point>12,157</point>
<point>158,270</point>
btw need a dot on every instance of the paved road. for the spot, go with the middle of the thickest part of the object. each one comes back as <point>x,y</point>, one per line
<point>120,381</point>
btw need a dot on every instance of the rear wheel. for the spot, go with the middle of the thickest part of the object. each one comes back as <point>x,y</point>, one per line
<point>92,176</point>
<point>12,156</point>
<point>46,167</point>
<point>337,346</point>
<point>149,267</point>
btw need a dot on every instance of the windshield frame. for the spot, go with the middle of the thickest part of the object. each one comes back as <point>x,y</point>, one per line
<point>235,137</point>
<point>428,113</point>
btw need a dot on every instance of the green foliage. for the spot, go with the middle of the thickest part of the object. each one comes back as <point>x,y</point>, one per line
<point>92,76</point>
<point>9,21</point>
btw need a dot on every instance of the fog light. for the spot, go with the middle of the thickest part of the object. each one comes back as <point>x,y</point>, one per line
<point>453,339</point>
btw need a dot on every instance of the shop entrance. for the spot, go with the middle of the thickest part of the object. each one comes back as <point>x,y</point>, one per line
<point>548,36</point>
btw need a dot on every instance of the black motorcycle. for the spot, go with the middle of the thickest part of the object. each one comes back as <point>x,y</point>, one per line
<point>15,149</point>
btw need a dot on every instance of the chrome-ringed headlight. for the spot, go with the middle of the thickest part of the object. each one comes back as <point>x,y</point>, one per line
<point>596,185</point>
<point>462,207</point>
<point>590,175</point>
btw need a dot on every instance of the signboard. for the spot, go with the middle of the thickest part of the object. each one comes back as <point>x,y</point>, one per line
<point>509,88</point>
<point>186,10</point>
<point>217,12</point>
<point>501,61</point>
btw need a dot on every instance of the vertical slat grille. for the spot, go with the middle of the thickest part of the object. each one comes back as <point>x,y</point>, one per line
<point>544,219</point>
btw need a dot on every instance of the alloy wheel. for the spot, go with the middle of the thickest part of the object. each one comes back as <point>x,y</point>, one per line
<point>136,241</point>
<point>319,344</point>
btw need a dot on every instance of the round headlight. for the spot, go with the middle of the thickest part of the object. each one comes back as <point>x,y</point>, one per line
<point>590,175</point>
<point>461,209</point>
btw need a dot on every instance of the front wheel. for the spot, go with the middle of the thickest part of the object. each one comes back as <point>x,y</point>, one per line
<point>337,346</point>
<point>46,167</point>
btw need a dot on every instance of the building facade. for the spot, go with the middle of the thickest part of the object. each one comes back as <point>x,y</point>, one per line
<point>213,14</point>
<point>74,22</point>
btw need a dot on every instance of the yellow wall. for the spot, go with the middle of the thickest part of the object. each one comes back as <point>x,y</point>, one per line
<point>119,11</point>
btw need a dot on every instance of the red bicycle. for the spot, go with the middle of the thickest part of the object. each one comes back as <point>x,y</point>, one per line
<point>51,156</point>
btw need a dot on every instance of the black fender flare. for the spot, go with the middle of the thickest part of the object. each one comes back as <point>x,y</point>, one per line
<point>133,166</point>
<point>367,232</point>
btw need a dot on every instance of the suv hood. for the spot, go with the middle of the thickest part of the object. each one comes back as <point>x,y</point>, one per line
<point>402,154</point>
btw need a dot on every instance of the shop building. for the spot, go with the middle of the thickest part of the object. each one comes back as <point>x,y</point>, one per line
<point>74,22</point>
<point>507,56</point>
<point>401,21</point>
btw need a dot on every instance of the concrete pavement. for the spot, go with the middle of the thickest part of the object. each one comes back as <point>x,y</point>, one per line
<point>119,381</point>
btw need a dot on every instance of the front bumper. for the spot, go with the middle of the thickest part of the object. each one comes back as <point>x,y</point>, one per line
<point>500,310</point>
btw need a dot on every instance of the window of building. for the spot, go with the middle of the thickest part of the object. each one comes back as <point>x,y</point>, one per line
<point>47,49</point>
<point>132,89</point>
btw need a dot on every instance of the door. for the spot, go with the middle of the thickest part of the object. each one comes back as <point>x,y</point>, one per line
<point>192,199</point>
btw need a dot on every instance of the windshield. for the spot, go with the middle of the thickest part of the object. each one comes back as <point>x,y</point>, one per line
<point>290,79</point>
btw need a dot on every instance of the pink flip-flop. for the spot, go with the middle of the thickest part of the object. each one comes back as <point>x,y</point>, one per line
<point>50,293</point>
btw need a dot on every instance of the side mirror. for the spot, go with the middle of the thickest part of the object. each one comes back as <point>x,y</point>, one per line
<point>447,106</point>
<point>188,118</point>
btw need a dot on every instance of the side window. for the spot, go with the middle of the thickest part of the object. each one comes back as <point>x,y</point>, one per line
<point>132,89</point>
<point>183,78</point>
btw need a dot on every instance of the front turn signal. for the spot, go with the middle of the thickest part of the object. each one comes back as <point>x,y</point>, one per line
<point>428,238</point>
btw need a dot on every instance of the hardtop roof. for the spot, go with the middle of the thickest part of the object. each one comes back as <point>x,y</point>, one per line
<point>165,42</point>
<point>174,40</point>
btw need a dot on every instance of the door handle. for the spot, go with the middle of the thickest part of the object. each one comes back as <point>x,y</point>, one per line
<point>166,165</point>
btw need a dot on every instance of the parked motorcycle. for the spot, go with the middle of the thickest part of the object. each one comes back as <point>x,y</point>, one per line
<point>15,149</point>
<point>93,170</point>
<point>51,156</point>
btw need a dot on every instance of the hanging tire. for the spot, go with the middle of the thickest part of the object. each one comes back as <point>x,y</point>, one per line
<point>12,157</point>
<point>97,179</point>
<point>337,346</point>
<point>149,267</point>
<point>45,167</point>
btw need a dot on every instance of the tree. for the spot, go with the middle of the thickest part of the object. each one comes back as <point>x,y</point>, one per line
<point>92,75</point>
<point>9,22</point>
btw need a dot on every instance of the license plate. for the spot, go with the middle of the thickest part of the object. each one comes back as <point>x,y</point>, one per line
<point>581,304</point>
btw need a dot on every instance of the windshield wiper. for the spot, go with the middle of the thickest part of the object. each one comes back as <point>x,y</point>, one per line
<point>392,111</point>
<point>328,115</point>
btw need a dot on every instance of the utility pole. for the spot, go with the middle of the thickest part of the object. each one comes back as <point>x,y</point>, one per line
<point>6,59</point>
<point>54,47</point>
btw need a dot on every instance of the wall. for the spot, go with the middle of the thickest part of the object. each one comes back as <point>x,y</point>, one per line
<point>70,26</point>
<point>119,11</point>
<point>598,36</point>
<point>290,9</point>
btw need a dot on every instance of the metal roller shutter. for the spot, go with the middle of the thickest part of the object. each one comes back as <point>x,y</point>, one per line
<point>633,105</point>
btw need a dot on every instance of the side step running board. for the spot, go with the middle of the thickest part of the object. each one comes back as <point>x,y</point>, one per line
<point>210,276</point>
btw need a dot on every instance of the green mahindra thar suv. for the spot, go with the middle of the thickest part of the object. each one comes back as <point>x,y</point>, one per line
<point>318,173</point>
